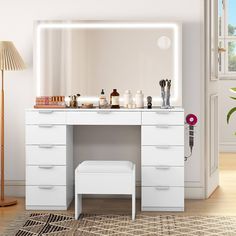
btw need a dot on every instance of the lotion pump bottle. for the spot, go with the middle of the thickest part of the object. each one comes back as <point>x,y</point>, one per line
<point>102,100</point>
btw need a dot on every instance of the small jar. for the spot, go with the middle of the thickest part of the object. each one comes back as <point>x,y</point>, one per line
<point>128,99</point>
<point>139,99</point>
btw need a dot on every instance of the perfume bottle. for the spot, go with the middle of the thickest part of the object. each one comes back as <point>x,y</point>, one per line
<point>114,99</point>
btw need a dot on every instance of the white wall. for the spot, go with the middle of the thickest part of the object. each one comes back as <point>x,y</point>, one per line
<point>227,131</point>
<point>16,24</point>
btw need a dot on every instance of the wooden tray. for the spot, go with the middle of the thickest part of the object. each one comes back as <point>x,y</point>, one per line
<point>49,106</point>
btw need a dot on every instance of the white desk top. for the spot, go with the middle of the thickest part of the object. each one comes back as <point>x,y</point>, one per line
<point>155,109</point>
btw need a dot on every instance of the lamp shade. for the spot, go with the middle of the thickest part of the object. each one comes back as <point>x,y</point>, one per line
<point>10,58</point>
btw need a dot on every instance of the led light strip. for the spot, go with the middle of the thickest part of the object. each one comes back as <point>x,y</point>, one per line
<point>102,25</point>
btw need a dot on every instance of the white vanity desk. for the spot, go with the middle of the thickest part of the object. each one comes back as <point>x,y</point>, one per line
<point>49,154</point>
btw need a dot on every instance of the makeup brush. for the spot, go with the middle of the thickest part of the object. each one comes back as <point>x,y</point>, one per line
<point>168,94</point>
<point>163,84</point>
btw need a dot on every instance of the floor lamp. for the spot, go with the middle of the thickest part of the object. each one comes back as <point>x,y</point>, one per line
<point>10,60</point>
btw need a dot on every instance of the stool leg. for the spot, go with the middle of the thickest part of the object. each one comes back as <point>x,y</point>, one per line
<point>133,196</point>
<point>133,206</point>
<point>78,205</point>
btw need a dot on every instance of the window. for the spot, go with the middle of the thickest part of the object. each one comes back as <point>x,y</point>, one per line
<point>227,38</point>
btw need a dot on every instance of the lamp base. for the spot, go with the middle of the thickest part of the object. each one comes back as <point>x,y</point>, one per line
<point>8,202</point>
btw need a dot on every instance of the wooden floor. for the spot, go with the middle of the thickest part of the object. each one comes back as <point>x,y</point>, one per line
<point>222,202</point>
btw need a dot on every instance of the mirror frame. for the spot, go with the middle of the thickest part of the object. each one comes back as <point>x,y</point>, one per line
<point>176,98</point>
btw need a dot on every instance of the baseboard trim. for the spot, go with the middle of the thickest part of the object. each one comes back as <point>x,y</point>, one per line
<point>15,188</point>
<point>227,147</point>
<point>194,193</point>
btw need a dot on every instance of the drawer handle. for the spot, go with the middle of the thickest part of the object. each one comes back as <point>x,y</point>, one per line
<point>163,147</point>
<point>162,167</point>
<point>45,126</point>
<point>46,112</point>
<point>162,126</point>
<point>163,188</point>
<point>45,146</point>
<point>103,112</point>
<point>45,167</point>
<point>163,112</point>
<point>45,187</point>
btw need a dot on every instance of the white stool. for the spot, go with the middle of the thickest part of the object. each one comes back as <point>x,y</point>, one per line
<point>104,177</point>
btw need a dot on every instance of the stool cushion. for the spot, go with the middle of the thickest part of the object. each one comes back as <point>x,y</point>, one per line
<point>105,167</point>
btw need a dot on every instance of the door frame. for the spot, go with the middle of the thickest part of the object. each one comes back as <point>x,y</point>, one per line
<point>211,130</point>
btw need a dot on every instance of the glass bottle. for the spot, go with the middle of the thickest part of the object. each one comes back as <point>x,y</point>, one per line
<point>114,99</point>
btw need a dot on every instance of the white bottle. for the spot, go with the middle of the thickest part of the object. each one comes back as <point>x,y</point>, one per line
<point>128,99</point>
<point>139,99</point>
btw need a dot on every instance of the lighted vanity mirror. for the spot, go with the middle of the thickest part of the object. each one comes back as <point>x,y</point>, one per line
<point>85,57</point>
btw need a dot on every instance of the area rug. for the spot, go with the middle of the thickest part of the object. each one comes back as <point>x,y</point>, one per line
<point>58,224</point>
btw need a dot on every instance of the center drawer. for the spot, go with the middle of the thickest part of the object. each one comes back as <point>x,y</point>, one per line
<point>162,176</point>
<point>45,134</point>
<point>104,118</point>
<point>162,135</point>
<point>45,175</point>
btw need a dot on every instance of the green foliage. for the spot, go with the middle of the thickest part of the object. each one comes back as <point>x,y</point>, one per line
<point>233,90</point>
<point>232,49</point>
<point>232,110</point>
<point>231,29</point>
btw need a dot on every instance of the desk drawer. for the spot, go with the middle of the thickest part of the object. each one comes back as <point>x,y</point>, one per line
<point>163,176</point>
<point>104,118</point>
<point>163,135</point>
<point>45,134</point>
<point>163,117</point>
<point>46,175</point>
<point>45,155</point>
<point>162,155</point>
<point>45,117</point>
<point>165,197</point>
<point>45,195</point>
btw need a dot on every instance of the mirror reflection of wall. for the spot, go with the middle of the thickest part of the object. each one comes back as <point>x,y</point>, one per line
<point>75,60</point>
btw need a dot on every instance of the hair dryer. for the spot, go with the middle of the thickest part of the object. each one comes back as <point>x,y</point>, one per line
<point>191,120</point>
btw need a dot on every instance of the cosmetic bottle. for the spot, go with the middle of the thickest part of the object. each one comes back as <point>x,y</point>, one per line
<point>139,99</point>
<point>114,99</point>
<point>102,100</point>
<point>128,99</point>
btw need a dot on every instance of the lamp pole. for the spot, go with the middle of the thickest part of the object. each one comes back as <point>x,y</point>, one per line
<point>8,201</point>
<point>2,137</point>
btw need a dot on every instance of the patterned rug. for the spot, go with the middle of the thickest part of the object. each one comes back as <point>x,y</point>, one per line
<point>58,224</point>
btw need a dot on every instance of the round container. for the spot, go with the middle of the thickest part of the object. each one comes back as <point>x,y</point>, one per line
<point>128,98</point>
<point>139,96</point>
